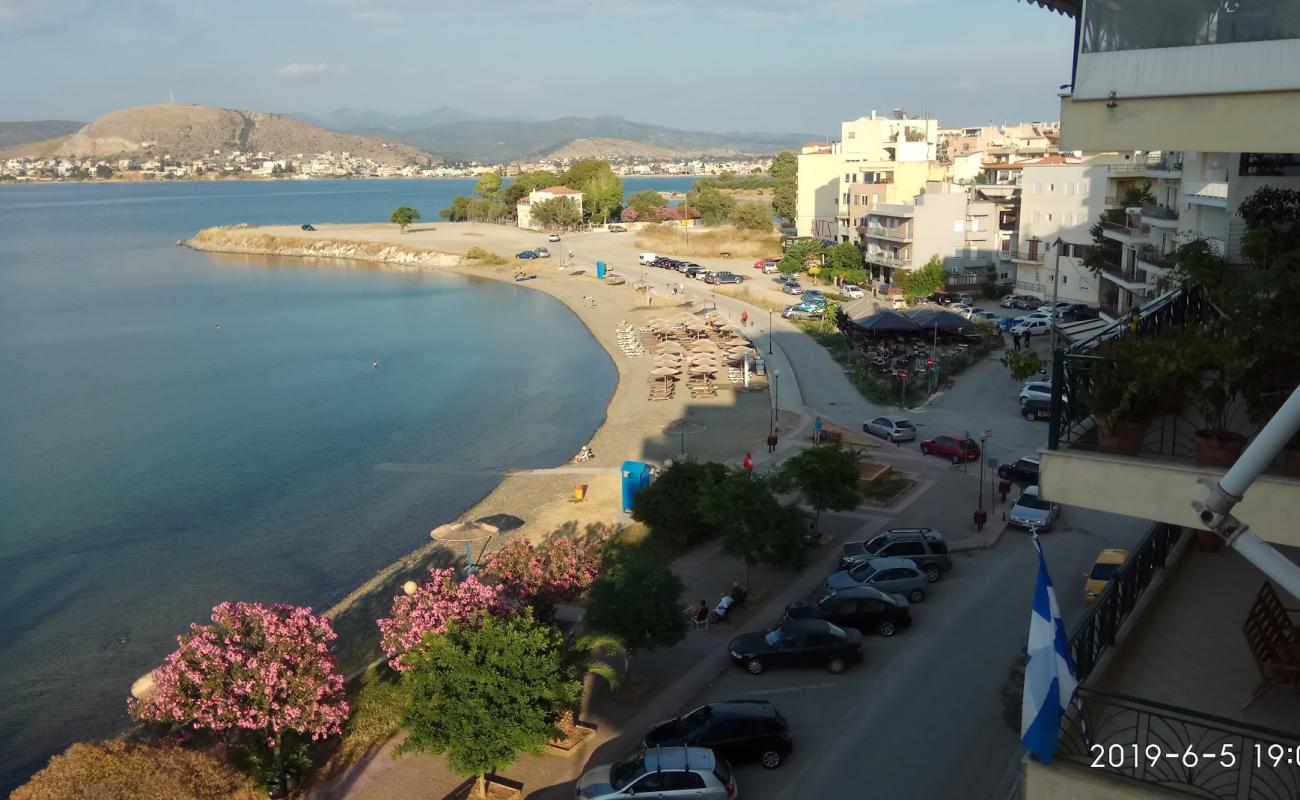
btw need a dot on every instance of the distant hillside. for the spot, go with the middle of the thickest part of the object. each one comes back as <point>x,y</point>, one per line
<point>497,140</point>
<point>12,133</point>
<point>351,119</point>
<point>626,148</point>
<point>190,131</point>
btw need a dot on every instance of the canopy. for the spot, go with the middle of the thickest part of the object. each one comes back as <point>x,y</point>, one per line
<point>887,321</point>
<point>938,317</point>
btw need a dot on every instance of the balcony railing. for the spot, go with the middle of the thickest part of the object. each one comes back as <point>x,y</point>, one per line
<point>1126,229</point>
<point>1035,288</point>
<point>887,260</point>
<point>1138,166</point>
<point>1160,212</point>
<point>1030,253</point>
<point>1130,275</point>
<point>1177,749</point>
<point>1169,162</point>
<point>897,234</point>
<point>1151,255</point>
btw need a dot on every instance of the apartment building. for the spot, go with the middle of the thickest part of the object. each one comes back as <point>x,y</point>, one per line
<point>524,208</point>
<point>1185,658</point>
<point>1020,142</point>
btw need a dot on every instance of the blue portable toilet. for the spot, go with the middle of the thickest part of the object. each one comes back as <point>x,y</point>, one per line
<point>636,476</point>
<point>600,273</point>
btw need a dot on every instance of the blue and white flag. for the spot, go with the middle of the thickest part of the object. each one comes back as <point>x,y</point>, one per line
<point>1049,672</point>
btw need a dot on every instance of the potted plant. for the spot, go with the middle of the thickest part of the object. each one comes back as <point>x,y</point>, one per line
<point>1216,396</point>
<point>1168,363</point>
<point>1120,401</point>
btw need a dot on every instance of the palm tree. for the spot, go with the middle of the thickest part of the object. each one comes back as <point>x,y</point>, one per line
<point>585,655</point>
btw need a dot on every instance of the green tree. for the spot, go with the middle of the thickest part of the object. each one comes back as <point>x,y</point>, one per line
<point>558,212</point>
<point>799,255</point>
<point>752,217</point>
<point>715,206</point>
<point>826,476</point>
<point>580,172</point>
<point>637,599</point>
<point>843,258</point>
<point>103,171</point>
<point>403,216</point>
<point>785,169</point>
<point>755,526</point>
<point>483,694</point>
<point>924,281</point>
<point>602,195</point>
<point>668,506</point>
<point>489,185</point>
<point>645,202</point>
<point>527,182</point>
<point>458,211</point>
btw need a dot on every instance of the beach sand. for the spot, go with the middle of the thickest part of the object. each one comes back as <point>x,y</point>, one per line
<point>634,427</point>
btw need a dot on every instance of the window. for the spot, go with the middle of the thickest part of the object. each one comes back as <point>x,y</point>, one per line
<point>1051,187</point>
<point>871,606</point>
<point>1083,188</point>
<point>1065,279</point>
<point>1069,190</point>
<point>957,226</point>
<point>1037,217</point>
<point>1038,188</point>
<point>939,548</point>
<point>1068,219</point>
<point>1004,275</point>
<point>654,782</point>
<point>853,134</point>
<point>908,549</point>
<point>1049,216</point>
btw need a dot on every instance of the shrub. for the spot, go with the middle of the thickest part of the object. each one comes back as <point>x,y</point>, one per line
<point>486,257</point>
<point>637,600</point>
<point>436,603</point>
<point>544,575</point>
<point>117,770</point>
<point>669,505</point>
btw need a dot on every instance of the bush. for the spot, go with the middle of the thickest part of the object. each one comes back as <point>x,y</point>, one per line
<point>437,603</point>
<point>544,575</point>
<point>669,505</point>
<point>637,600</point>
<point>486,257</point>
<point>117,770</point>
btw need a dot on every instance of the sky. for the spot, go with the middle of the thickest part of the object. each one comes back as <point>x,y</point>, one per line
<point>717,65</point>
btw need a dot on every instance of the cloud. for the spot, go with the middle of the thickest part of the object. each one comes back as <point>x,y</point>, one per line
<point>304,70</point>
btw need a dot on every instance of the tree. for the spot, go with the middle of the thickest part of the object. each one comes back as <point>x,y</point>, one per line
<point>629,214</point>
<point>645,202</point>
<point>255,674</point>
<point>527,182</point>
<point>458,211</point>
<point>117,769</point>
<point>1023,365</point>
<point>755,526</point>
<point>544,575</point>
<point>482,209</point>
<point>668,506</point>
<point>403,216</point>
<point>924,281</point>
<point>103,171</point>
<point>580,173</point>
<point>602,196</point>
<point>436,604</point>
<point>826,476</point>
<point>489,185</point>
<point>752,217</point>
<point>558,212</point>
<point>714,205</point>
<point>1105,250</point>
<point>785,169</point>
<point>637,600</point>
<point>799,255</point>
<point>485,693</point>
<point>844,258</point>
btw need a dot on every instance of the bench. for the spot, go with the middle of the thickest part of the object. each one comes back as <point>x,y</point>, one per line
<point>870,473</point>
<point>1273,642</point>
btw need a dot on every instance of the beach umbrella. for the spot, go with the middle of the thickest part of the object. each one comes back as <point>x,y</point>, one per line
<point>942,319</point>
<point>703,369</point>
<point>887,322</point>
<point>665,371</point>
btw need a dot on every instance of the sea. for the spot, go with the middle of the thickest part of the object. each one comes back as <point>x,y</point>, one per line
<point>180,428</point>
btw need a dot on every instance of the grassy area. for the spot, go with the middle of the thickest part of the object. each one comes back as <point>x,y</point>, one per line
<point>887,491</point>
<point>376,696</point>
<point>745,295</point>
<point>708,243</point>
<point>486,258</point>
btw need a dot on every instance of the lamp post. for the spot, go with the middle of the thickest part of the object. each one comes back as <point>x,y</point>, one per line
<point>776,399</point>
<point>981,516</point>
<point>769,330</point>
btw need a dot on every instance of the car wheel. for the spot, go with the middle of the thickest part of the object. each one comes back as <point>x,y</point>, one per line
<point>836,665</point>
<point>771,759</point>
<point>887,629</point>
<point>1029,416</point>
<point>754,666</point>
<point>925,451</point>
<point>931,573</point>
<point>1024,401</point>
<point>956,460</point>
<point>915,596</point>
<point>865,429</point>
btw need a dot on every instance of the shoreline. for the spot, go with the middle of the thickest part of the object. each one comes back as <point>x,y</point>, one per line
<point>630,428</point>
<point>269,179</point>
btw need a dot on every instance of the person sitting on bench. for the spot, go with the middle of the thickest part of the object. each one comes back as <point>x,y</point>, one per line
<point>700,614</point>
<point>737,595</point>
<point>723,607</point>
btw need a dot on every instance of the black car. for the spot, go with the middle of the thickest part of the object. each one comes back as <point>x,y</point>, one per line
<point>723,277</point>
<point>1034,409</point>
<point>924,546</point>
<point>798,641</point>
<point>692,270</point>
<point>865,608</point>
<point>1023,471</point>
<point>308,227</point>
<point>735,730</point>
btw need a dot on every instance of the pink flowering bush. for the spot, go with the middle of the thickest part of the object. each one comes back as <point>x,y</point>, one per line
<point>255,669</point>
<point>629,214</point>
<point>554,572</point>
<point>436,602</point>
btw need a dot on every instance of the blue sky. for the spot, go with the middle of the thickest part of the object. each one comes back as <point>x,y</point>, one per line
<point>760,65</point>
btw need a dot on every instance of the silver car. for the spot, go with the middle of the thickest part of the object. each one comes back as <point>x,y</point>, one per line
<point>895,429</point>
<point>1032,511</point>
<point>892,575</point>
<point>669,772</point>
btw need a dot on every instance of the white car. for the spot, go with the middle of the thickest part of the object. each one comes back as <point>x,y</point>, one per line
<point>667,772</point>
<point>984,316</point>
<point>961,308</point>
<point>852,292</point>
<point>554,237</point>
<point>1038,390</point>
<point>1037,315</point>
<point>1033,512</point>
<point>965,299</point>
<point>1032,327</point>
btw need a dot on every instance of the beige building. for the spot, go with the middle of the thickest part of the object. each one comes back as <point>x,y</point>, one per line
<point>1020,142</point>
<point>523,209</point>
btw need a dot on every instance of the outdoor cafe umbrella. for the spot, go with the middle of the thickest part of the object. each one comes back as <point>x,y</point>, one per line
<point>665,372</point>
<point>887,322</point>
<point>703,369</point>
<point>938,318</point>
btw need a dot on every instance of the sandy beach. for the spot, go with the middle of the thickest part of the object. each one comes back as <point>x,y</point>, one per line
<point>721,428</point>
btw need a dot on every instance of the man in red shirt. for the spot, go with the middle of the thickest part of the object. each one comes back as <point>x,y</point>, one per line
<point>749,466</point>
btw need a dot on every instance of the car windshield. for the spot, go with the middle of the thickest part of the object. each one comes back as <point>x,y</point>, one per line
<point>874,545</point>
<point>1033,501</point>
<point>625,771</point>
<point>903,424</point>
<point>862,571</point>
<point>773,637</point>
<point>1103,572</point>
<point>827,601</point>
<point>695,722</point>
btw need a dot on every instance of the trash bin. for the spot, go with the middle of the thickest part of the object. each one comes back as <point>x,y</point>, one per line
<point>580,492</point>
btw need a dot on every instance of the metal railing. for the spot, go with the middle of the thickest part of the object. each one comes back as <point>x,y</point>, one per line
<point>897,234</point>
<point>1138,166</point>
<point>1034,288</point>
<point>1177,749</point>
<point>1095,632</point>
<point>1033,255</point>
<point>1160,212</point>
<point>1130,275</point>
<point>1141,229</point>
<point>886,260</point>
<point>1152,255</point>
<point>1169,162</point>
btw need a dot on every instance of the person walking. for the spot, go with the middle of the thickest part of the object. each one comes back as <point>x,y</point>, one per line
<point>748,464</point>
<point>1015,340</point>
<point>817,431</point>
<point>744,318</point>
<point>771,442</point>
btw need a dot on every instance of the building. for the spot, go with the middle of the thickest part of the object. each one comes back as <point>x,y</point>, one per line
<point>1006,143</point>
<point>523,209</point>
<point>1184,650</point>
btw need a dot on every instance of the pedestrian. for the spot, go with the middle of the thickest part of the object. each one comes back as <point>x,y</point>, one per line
<point>771,442</point>
<point>1015,340</point>
<point>748,463</point>
<point>744,318</point>
<point>817,431</point>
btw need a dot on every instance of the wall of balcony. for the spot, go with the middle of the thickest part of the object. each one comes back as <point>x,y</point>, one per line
<point>1263,122</point>
<point>1064,781</point>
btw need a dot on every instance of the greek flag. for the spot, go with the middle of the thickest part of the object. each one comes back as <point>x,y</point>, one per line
<point>1049,672</point>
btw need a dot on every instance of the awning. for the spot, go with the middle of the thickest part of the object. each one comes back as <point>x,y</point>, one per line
<point>886,321</point>
<point>937,317</point>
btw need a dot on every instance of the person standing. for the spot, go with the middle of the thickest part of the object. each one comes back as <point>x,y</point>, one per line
<point>1015,340</point>
<point>817,431</point>
<point>744,318</point>
<point>748,464</point>
<point>771,442</point>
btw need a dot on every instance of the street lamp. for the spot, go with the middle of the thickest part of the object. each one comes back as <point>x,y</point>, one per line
<point>769,330</point>
<point>776,399</point>
<point>980,515</point>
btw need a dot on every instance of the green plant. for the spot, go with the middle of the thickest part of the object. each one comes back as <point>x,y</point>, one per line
<point>1023,365</point>
<point>118,770</point>
<point>1217,393</point>
<point>486,257</point>
<point>403,216</point>
<point>637,600</point>
<point>1114,392</point>
<point>826,477</point>
<point>669,505</point>
<point>755,527</point>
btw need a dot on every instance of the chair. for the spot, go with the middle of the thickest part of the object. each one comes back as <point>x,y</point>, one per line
<point>700,621</point>
<point>1273,642</point>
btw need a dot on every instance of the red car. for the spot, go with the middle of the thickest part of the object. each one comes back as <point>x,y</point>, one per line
<point>763,262</point>
<point>949,445</point>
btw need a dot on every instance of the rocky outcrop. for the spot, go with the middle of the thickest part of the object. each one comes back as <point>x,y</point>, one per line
<point>238,239</point>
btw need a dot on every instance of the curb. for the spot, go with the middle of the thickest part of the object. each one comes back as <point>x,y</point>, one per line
<point>983,543</point>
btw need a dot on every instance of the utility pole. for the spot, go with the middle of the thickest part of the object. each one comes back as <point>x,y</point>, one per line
<point>1059,244</point>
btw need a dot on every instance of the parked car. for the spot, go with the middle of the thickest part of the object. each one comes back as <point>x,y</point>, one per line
<point>1032,327</point>
<point>802,641</point>
<point>669,772</point>
<point>984,316</point>
<point>1023,471</point>
<point>863,608</point>
<point>692,271</point>
<point>1035,390</point>
<point>941,298</point>
<point>924,546</point>
<point>1007,323</point>
<point>308,227</point>
<point>736,730</point>
<point>526,254</point>
<point>964,297</point>
<point>1036,410</point>
<point>685,266</point>
<point>770,268</point>
<point>617,229</point>
<point>792,288</point>
<point>1029,302</point>
<point>814,294</point>
<point>1108,563</point>
<point>1032,511</point>
<point>1079,312</point>
<point>852,292</point>
<point>542,252</point>
<point>723,277</point>
<point>893,575</point>
<point>803,311</point>
<point>895,429</point>
<point>554,237</point>
<point>764,263</point>
<point>957,448</point>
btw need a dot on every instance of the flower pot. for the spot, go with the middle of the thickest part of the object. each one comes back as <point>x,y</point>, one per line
<point>1172,401</point>
<point>1291,461</point>
<point>1124,438</point>
<point>1218,448</point>
<point>1208,541</point>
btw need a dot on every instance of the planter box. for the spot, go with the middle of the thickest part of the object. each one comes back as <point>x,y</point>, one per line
<point>498,788</point>
<point>869,474</point>
<point>582,731</point>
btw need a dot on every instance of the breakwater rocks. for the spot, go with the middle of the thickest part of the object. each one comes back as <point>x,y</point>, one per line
<point>248,241</point>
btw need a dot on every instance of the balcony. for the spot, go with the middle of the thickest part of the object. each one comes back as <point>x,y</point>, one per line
<point>1151,259</point>
<point>1157,216</point>
<point>899,234</point>
<point>1032,252</point>
<point>886,260</point>
<point>1137,167</point>
<point>1132,278</point>
<point>1126,233</point>
<point>1169,167</point>
<point>1212,194</point>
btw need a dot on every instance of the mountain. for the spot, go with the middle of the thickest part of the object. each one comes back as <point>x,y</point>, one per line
<point>12,133</point>
<point>499,139</point>
<point>349,119</point>
<point>608,148</point>
<point>186,132</point>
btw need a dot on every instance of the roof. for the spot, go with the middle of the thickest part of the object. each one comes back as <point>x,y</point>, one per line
<point>1047,161</point>
<point>1069,8</point>
<point>892,562</point>
<point>805,625</point>
<point>815,144</point>
<point>560,190</point>
<point>739,708</point>
<point>1002,165</point>
<point>700,758</point>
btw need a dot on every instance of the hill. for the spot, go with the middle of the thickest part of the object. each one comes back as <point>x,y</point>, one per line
<point>627,148</point>
<point>14,133</point>
<point>187,132</point>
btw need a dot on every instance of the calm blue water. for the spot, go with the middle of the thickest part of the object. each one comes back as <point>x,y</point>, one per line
<point>153,464</point>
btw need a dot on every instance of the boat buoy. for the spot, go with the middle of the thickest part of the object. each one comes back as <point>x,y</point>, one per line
<point>218,326</point>
<point>374,364</point>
